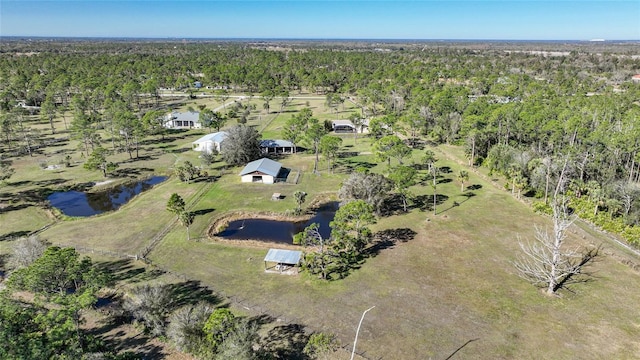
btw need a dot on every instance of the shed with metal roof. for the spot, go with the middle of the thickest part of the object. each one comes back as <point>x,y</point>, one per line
<point>281,260</point>
<point>262,171</point>
<point>277,147</point>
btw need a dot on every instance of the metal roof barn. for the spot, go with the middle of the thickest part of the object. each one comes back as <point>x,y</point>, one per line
<point>264,165</point>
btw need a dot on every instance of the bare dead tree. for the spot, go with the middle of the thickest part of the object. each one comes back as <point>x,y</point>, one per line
<point>27,250</point>
<point>546,263</point>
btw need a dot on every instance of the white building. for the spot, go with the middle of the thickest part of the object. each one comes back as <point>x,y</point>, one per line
<point>183,120</point>
<point>210,142</point>
<point>261,171</point>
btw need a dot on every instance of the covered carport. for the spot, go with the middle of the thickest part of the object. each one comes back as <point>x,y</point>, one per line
<point>282,261</point>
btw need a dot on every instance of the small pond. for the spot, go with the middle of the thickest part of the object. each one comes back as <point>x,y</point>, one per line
<point>77,203</point>
<point>279,231</point>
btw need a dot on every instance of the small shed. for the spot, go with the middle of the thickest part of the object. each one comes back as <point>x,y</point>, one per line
<point>282,260</point>
<point>261,171</point>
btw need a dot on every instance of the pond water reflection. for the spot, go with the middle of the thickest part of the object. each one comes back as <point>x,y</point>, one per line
<point>77,203</point>
<point>279,231</point>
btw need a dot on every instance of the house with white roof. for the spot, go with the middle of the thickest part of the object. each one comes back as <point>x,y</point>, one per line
<point>210,142</point>
<point>183,120</point>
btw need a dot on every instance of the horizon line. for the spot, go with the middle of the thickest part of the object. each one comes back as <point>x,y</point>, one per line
<point>180,38</point>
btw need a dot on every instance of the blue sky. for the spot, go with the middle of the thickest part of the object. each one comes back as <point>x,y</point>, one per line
<point>476,19</point>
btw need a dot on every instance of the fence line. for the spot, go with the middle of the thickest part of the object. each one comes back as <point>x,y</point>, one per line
<point>607,235</point>
<point>86,249</point>
<point>155,240</point>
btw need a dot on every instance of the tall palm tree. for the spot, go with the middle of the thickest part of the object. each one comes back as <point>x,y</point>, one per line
<point>463,176</point>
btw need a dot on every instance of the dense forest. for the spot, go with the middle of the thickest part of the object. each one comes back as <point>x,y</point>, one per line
<point>522,109</point>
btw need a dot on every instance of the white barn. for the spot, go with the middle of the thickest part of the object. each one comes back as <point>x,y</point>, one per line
<point>210,142</point>
<point>261,171</point>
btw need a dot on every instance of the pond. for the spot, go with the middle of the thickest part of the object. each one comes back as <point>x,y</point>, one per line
<point>77,203</point>
<point>279,231</point>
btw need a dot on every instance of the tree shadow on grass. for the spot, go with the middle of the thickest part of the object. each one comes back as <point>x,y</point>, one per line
<point>191,292</point>
<point>14,235</point>
<point>285,342</point>
<point>392,205</point>
<point>139,158</point>
<point>125,270</point>
<point>4,258</point>
<point>580,276</point>
<point>347,154</point>
<point>203,211</point>
<point>116,338</point>
<point>349,166</point>
<point>131,172</point>
<point>10,208</point>
<point>474,187</point>
<point>425,202</point>
<point>387,239</point>
<point>468,195</point>
<point>178,151</point>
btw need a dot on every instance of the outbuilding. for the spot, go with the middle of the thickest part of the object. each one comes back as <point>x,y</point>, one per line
<point>210,142</point>
<point>261,171</point>
<point>343,126</point>
<point>282,261</point>
<point>277,147</point>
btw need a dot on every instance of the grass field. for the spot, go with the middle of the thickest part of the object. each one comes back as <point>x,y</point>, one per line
<point>452,283</point>
<point>451,286</point>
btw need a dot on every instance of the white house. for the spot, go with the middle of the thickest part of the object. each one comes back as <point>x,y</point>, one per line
<point>183,120</point>
<point>210,142</point>
<point>261,171</point>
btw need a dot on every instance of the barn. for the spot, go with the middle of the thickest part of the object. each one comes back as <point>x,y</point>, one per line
<point>261,171</point>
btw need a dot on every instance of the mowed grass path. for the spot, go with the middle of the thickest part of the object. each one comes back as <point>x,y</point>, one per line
<point>454,282</point>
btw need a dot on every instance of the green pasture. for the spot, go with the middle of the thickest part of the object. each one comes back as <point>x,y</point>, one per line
<point>451,283</point>
<point>443,282</point>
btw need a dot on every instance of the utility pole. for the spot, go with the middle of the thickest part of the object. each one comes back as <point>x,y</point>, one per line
<point>353,352</point>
